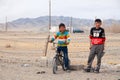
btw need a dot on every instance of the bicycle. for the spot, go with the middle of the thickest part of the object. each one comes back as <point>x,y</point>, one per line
<point>58,60</point>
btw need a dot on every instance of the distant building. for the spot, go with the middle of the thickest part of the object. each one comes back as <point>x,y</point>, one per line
<point>54,29</point>
<point>70,29</point>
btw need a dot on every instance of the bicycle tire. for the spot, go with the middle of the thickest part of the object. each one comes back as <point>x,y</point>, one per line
<point>55,67</point>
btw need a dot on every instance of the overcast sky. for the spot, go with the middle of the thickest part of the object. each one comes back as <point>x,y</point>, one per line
<point>88,9</point>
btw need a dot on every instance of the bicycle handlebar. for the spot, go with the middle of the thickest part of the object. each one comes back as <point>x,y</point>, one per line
<point>55,43</point>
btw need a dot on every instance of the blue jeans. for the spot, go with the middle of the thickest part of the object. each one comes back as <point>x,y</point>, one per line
<point>65,53</point>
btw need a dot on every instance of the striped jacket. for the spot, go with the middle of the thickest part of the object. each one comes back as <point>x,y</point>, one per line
<point>62,38</point>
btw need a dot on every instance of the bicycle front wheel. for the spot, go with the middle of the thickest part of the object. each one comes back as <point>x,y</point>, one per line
<point>55,67</point>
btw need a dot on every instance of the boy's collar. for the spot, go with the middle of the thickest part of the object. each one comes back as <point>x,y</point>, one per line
<point>97,28</point>
<point>62,32</point>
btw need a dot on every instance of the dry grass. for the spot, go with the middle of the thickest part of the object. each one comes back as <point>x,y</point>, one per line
<point>115,28</point>
<point>28,44</point>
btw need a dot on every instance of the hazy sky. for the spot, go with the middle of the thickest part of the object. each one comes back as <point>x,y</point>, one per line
<point>15,9</point>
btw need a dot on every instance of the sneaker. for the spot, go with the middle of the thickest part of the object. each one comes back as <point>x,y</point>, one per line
<point>68,70</point>
<point>96,70</point>
<point>87,69</point>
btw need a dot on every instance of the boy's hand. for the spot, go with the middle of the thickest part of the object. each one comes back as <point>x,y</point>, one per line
<point>90,47</point>
<point>104,47</point>
<point>66,43</point>
<point>50,41</point>
<point>90,44</point>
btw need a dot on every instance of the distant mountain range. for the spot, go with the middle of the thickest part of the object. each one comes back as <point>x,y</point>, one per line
<point>43,21</point>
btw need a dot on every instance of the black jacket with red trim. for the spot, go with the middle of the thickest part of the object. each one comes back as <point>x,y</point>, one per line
<point>97,36</point>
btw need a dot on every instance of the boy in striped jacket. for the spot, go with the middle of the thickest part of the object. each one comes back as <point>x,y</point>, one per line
<point>63,40</point>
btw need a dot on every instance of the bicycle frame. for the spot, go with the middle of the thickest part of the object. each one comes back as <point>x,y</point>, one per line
<point>59,56</point>
<point>58,60</point>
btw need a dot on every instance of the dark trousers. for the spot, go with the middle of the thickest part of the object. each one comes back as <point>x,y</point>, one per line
<point>65,53</point>
<point>96,50</point>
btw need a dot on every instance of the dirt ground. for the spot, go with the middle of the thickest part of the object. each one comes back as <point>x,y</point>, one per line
<point>22,57</point>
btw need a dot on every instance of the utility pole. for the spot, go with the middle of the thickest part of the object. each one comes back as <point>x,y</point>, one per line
<point>49,14</point>
<point>71,24</point>
<point>49,27</point>
<point>6,24</point>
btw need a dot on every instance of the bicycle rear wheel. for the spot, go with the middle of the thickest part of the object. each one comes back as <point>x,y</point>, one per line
<point>63,65</point>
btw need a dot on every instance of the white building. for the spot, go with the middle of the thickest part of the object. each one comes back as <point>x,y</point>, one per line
<point>54,29</point>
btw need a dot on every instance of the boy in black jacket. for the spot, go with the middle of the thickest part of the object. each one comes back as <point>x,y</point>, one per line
<point>97,41</point>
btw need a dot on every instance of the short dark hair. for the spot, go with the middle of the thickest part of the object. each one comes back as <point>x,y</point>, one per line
<point>98,20</point>
<point>61,25</point>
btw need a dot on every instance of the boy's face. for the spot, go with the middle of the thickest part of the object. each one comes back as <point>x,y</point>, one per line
<point>62,29</point>
<point>98,24</point>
